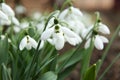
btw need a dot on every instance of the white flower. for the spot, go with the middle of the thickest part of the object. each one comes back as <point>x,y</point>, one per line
<point>10,14</point>
<point>20,9</point>
<point>3,16</point>
<point>7,9</point>
<point>21,26</point>
<point>72,16</point>
<point>70,13</point>
<point>98,39</point>
<point>98,42</point>
<point>28,43</point>
<point>58,35</point>
<point>15,21</point>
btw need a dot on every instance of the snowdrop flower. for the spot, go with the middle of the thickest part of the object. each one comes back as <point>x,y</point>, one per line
<point>58,35</point>
<point>28,43</point>
<point>98,39</point>
<point>72,16</point>
<point>70,13</point>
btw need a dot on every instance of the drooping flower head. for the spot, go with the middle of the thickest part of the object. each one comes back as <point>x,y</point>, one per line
<point>28,43</point>
<point>98,39</point>
<point>57,35</point>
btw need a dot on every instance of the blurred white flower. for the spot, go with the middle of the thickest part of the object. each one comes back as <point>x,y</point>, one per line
<point>72,16</point>
<point>28,43</point>
<point>58,35</point>
<point>7,10</point>
<point>36,15</point>
<point>70,13</point>
<point>21,26</point>
<point>20,9</point>
<point>3,16</point>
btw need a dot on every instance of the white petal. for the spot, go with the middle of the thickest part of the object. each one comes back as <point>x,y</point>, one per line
<point>24,25</point>
<point>68,32</point>
<point>28,46</point>
<point>41,44</point>
<point>59,41</point>
<point>103,29</point>
<point>4,22</point>
<point>7,10</point>
<point>98,43</point>
<point>87,44</point>
<point>47,33</point>
<point>70,40</point>
<point>76,11</point>
<point>64,13</point>
<point>23,43</point>
<point>33,43</point>
<point>3,16</point>
<point>104,39</point>
<point>51,41</point>
<point>15,21</point>
<point>17,29</point>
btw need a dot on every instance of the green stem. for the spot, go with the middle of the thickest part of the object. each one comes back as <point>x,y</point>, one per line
<point>65,3</point>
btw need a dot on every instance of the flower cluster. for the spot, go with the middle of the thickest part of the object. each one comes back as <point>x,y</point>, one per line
<point>68,26</point>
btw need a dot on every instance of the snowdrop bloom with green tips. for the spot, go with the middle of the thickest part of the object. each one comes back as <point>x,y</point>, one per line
<point>58,35</point>
<point>98,39</point>
<point>28,43</point>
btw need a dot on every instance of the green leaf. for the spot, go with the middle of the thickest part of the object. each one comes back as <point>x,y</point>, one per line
<point>86,59</point>
<point>31,31</point>
<point>3,50</point>
<point>98,64</point>
<point>73,58</point>
<point>66,72</point>
<point>5,73</point>
<point>90,73</point>
<point>48,76</point>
